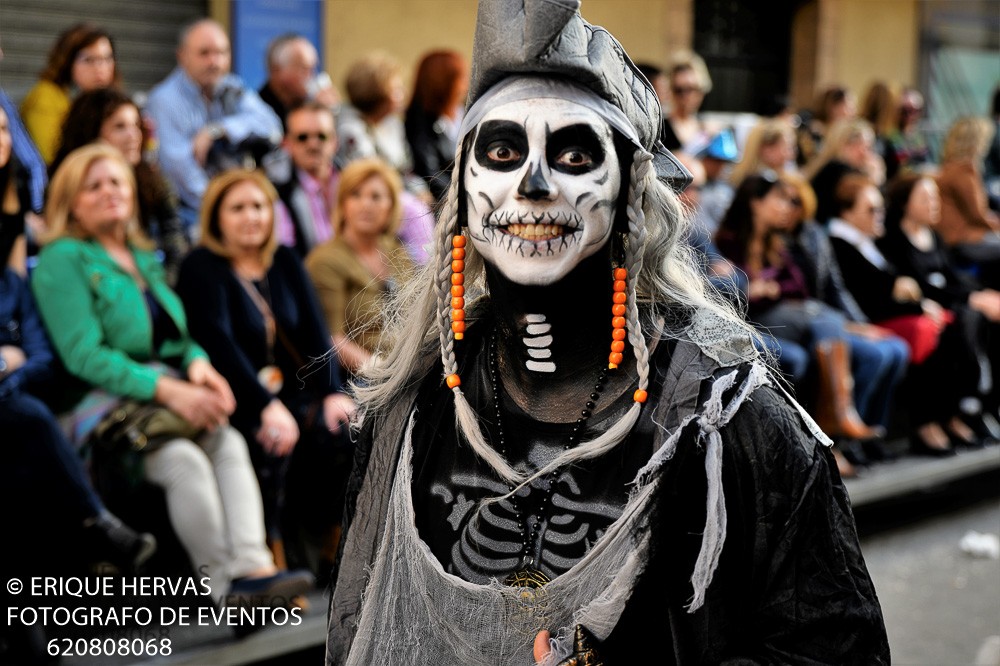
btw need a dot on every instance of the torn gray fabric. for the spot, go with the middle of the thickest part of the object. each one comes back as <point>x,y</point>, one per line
<point>414,612</point>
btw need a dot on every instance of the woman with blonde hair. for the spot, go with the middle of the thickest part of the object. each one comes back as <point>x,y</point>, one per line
<point>849,148</point>
<point>833,104</point>
<point>117,326</point>
<point>968,227</point>
<point>684,130</point>
<point>364,262</point>
<point>770,145</point>
<point>251,306</point>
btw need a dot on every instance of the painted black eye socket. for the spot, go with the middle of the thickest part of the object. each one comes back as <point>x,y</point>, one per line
<point>575,149</point>
<point>501,145</point>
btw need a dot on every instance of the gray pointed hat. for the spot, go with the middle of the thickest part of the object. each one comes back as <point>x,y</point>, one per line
<point>550,38</point>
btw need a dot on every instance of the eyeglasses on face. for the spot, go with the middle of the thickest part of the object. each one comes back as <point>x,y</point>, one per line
<point>684,90</point>
<point>305,136</point>
<point>94,60</point>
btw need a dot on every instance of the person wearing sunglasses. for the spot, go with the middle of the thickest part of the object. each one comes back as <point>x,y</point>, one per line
<point>307,198</point>
<point>684,130</point>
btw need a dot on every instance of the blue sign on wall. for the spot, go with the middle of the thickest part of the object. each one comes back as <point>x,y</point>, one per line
<point>256,22</point>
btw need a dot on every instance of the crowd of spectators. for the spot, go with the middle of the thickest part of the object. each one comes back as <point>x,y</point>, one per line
<point>224,252</point>
<point>885,320</point>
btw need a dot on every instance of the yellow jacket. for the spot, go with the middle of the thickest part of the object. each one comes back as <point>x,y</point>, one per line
<point>43,111</point>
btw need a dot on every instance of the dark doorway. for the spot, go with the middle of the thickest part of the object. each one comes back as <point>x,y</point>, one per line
<point>746,45</point>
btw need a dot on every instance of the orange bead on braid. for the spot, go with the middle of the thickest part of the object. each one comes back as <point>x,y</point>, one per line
<point>457,286</point>
<point>618,309</point>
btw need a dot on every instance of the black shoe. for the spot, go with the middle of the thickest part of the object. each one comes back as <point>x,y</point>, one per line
<point>120,544</point>
<point>878,450</point>
<point>919,447</point>
<point>275,590</point>
<point>986,427</point>
<point>959,442</point>
<point>854,451</point>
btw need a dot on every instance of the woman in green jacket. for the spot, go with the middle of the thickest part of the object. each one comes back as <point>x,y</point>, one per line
<point>118,326</point>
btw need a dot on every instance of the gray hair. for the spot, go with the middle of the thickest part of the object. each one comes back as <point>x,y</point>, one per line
<point>188,28</point>
<point>278,49</point>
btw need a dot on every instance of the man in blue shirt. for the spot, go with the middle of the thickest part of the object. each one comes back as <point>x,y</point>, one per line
<point>199,105</point>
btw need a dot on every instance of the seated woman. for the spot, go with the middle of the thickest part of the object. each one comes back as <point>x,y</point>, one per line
<point>251,306</point>
<point>833,104</point>
<point>110,314</point>
<point>110,116</point>
<point>849,148</point>
<point>364,262</point>
<point>440,87</point>
<point>36,453</point>
<point>878,358</point>
<point>14,203</point>
<point>770,146</point>
<point>968,227</point>
<point>943,370</point>
<point>913,246</point>
<point>83,59</point>
<point>749,236</point>
<point>371,126</point>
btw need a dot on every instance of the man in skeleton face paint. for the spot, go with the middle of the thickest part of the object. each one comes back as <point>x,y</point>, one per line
<point>570,449</point>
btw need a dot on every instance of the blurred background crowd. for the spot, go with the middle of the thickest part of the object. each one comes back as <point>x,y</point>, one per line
<point>196,210</point>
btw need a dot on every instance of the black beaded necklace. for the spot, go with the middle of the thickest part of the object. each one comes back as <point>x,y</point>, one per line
<point>528,574</point>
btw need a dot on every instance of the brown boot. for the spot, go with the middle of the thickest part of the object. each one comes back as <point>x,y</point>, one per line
<point>835,412</point>
<point>277,548</point>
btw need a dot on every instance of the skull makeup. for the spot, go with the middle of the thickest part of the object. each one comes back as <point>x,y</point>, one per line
<point>541,183</point>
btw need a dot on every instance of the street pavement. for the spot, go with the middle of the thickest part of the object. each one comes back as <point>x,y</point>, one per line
<point>941,605</point>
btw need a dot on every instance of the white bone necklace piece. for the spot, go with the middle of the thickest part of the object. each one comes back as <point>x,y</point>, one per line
<point>537,341</point>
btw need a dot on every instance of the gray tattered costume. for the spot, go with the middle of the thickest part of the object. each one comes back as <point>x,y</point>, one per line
<point>733,540</point>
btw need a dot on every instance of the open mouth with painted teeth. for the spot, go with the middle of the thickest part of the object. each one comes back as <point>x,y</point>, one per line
<point>534,232</point>
<point>534,227</point>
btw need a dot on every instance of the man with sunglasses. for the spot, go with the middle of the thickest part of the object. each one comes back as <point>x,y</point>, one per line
<point>309,195</point>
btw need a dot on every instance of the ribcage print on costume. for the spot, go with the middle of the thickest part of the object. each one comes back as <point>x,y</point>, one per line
<point>489,537</point>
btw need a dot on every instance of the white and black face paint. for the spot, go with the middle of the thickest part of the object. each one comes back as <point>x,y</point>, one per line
<point>541,187</point>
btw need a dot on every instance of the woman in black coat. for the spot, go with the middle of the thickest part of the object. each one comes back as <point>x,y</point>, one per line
<point>943,371</point>
<point>433,117</point>
<point>253,309</point>
<point>914,247</point>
